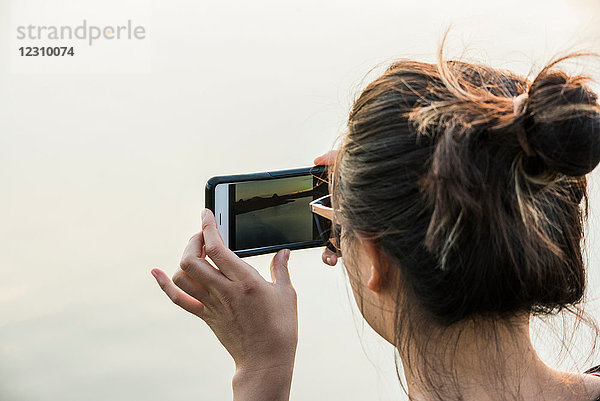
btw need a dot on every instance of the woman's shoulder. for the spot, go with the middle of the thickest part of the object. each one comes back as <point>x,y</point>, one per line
<point>594,371</point>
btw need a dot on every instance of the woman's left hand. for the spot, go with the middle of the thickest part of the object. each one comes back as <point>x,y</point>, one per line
<point>255,320</point>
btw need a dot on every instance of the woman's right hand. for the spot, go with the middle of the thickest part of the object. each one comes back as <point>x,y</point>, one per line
<point>255,320</point>
<point>329,257</point>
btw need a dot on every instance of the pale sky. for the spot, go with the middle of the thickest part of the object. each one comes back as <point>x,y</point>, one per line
<point>105,156</point>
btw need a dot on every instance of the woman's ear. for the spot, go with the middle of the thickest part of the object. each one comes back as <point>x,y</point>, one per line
<point>380,266</point>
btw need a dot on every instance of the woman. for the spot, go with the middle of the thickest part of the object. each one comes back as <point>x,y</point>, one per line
<point>459,194</point>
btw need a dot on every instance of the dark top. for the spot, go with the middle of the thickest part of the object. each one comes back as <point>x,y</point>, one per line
<point>594,371</point>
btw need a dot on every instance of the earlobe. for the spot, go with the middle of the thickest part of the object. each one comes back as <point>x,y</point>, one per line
<point>375,283</point>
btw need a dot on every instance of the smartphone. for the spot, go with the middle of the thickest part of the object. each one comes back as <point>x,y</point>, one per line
<point>266,212</point>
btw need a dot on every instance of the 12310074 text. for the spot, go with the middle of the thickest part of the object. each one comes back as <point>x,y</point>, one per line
<point>46,51</point>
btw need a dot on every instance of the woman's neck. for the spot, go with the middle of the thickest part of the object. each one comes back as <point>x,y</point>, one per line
<point>485,360</point>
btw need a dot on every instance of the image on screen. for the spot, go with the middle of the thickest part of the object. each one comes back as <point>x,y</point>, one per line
<point>273,212</point>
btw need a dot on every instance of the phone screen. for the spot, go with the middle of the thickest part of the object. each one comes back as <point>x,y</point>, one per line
<point>273,212</point>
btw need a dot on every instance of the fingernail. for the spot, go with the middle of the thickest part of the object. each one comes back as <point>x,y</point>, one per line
<point>154,273</point>
<point>328,260</point>
<point>204,214</point>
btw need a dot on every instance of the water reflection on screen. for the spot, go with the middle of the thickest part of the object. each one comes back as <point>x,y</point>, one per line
<point>273,212</point>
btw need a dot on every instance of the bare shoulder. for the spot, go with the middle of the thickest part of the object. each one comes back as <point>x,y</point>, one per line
<point>592,382</point>
<point>588,385</point>
<point>574,386</point>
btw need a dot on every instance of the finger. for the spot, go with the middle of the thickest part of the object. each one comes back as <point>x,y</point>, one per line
<point>198,268</point>
<point>329,257</point>
<point>326,159</point>
<point>227,261</point>
<point>279,268</point>
<point>190,286</point>
<point>178,297</point>
<point>198,242</point>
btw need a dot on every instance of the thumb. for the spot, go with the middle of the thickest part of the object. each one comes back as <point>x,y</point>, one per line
<point>279,268</point>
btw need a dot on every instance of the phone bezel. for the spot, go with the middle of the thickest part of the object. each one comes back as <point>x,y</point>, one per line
<point>210,201</point>
<point>222,210</point>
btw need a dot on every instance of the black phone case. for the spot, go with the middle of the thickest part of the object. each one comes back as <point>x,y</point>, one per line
<point>210,201</point>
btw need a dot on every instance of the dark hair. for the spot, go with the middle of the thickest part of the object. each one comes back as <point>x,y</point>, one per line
<point>433,170</point>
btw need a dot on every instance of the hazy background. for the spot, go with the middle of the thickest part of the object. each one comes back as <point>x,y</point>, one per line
<point>103,160</point>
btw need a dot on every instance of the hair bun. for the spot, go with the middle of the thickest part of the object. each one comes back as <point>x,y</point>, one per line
<point>563,123</point>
